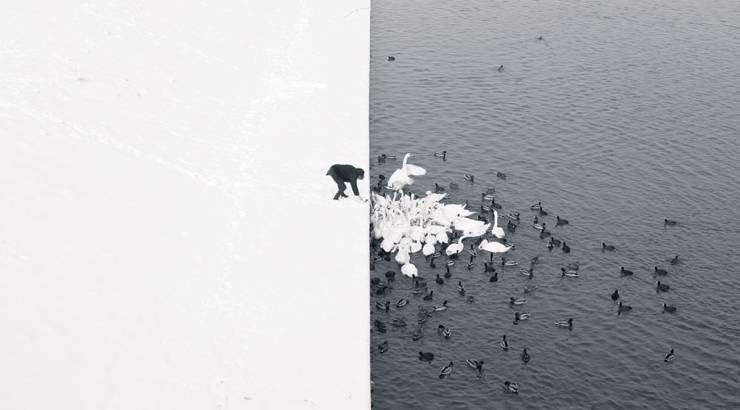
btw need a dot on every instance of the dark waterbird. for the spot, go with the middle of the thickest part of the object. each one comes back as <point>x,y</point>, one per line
<point>670,356</point>
<point>605,247</point>
<point>439,280</point>
<point>625,272</point>
<point>660,272</point>
<point>501,175</point>
<point>623,308</point>
<point>566,248</point>
<point>669,308</point>
<point>447,270</point>
<point>383,347</point>
<point>615,295</point>
<point>429,295</point>
<point>561,221</point>
<point>390,275</point>
<point>504,344</point>
<point>661,287</point>
<point>391,58</point>
<point>675,260</point>
<point>494,277</point>
<point>426,356</point>
<point>379,326</point>
<point>669,222</point>
<point>525,356</point>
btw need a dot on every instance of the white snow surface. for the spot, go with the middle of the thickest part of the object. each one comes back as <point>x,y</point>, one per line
<point>167,234</point>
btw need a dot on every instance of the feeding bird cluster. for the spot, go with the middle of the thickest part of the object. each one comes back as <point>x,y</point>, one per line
<point>404,224</point>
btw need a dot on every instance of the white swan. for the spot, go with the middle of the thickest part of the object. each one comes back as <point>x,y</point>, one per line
<point>409,269</point>
<point>493,247</point>
<point>402,256</point>
<point>402,177</point>
<point>428,249</point>
<point>455,248</point>
<point>496,230</point>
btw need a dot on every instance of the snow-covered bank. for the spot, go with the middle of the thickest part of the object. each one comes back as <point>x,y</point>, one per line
<point>168,238</point>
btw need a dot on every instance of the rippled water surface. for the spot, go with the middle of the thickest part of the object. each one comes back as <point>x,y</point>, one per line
<point>626,113</point>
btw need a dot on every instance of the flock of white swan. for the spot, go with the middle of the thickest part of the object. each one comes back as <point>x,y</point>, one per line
<point>406,224</point>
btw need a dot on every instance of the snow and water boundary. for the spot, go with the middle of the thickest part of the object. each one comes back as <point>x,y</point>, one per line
<point>169,238</point>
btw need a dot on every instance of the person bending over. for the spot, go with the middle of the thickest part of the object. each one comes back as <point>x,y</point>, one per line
<point>345,173</point>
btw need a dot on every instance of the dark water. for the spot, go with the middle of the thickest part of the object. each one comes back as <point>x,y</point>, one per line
<point>628,112</point>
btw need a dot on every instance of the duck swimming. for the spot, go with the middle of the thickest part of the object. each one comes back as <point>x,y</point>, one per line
<point>566,248</point>
<point>669,308</point>
<point>661,272</point>
<point>570,274</point>
<point>429,295</point>
<point>605,247</point>
<point>519,317</point>
<point>447,270</point>
<point>625,272</point>
<point>439,280</point>
<point>426,356</point>
<point>460,288</point>
<point>383,347</point>
<point>494,277</point>
<point>501,175</point>
<point>669,222</point>
<point>470,178</point>
<point>382,306</point>
<point>623,308</point>
<point>511,387</point>
<point>444,331</point>
<point>615,295</point>
<point>454,186</point>
<point>445,371</point>
<point>525,356</point>
<point>438,188</point>
<point>565,323</point>
<point>517,301</point>
<point>402,302</point>
<point>442,154</point>
<point>440,308</point>
<point>536,206</point>
<point>398,322</point>
<point>391,58</point>
<point>560,221</point>
<point>670,356</point>
<point>500,68</point>
<point>661,287</point>
<point>674,261</point>
<point>475,364</point>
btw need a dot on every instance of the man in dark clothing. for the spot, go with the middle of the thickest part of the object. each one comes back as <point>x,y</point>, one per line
<point>345,173</point>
